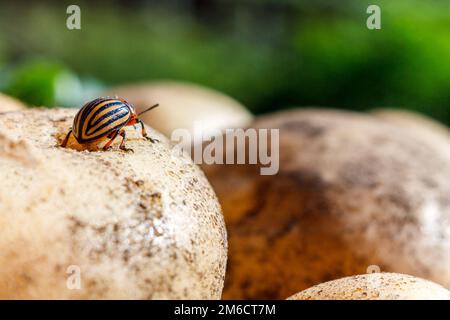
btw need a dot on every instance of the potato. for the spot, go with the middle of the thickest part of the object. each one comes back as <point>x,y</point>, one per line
<point>103,225</point>
<point>8,103</point>
<point>375,286</point>
<point>352,191</point>
<point>419,125</point>
<point>182,105</point>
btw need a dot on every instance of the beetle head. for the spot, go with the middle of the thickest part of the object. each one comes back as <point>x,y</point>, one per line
<point>133,117</point>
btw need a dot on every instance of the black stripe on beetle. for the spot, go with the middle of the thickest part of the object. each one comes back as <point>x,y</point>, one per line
<point>105,118</point>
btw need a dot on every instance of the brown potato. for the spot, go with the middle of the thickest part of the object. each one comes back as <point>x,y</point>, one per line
<point>8,103</point>
<point>352,191</point>
<point>182,105</point>
<point>375,286</point>
<point>418,124</point>
<point>80,224</point>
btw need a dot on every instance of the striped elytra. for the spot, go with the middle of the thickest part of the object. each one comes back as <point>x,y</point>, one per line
<point>106,118</point>
<point>99,118</point>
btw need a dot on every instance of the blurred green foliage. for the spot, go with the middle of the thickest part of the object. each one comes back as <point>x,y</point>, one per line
<point>35,82</point>
<point>268,54</point>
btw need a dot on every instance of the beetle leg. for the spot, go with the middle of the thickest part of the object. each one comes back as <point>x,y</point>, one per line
<point>151,139</point>
<point>122,144</point>
<point>112,136</point>
<point>145,135</point>
<point>66,139</point>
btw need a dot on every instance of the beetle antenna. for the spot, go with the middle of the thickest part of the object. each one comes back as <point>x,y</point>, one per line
<point>152,107</point>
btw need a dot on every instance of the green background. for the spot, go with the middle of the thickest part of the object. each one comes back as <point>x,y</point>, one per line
<point>267,54</point>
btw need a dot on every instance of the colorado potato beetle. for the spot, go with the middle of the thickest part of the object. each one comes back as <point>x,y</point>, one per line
<point>105,118</point>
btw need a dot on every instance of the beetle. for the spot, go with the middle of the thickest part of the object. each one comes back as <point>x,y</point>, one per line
<point>106,117</point>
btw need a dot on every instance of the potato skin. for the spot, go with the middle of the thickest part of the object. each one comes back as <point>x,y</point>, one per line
<point>8,103</point>
<point>351,192</point>
<point>418,124</point>
<point>375,286</point>
<point>142,225</point>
